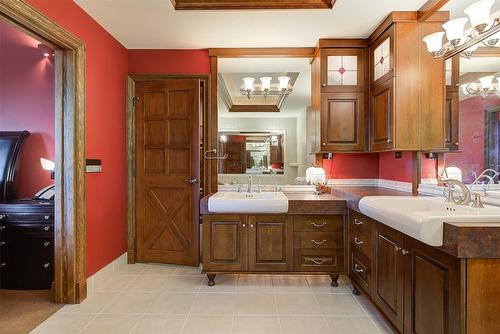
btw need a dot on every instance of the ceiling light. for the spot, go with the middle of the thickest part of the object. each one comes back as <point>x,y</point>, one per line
<point>284,82</point>
<point>455,30</point>
<point>484,87</point>
<point>486,82</point>
<point>266,83</point>
<point>266,87</point>
<point>434,42</point>
<point>479,14</point>
<point>248,82</point>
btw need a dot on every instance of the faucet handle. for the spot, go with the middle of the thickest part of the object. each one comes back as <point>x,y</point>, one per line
<point>477,203</point>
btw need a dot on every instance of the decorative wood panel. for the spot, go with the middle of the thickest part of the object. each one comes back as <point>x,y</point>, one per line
<point>251,4</point>
<point>382,121</point>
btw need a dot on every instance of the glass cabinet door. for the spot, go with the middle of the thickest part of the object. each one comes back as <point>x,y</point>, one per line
<point>382,59</point>
<point>342,69</point>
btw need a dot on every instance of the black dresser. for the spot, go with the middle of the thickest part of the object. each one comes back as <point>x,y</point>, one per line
<point>27,245</point>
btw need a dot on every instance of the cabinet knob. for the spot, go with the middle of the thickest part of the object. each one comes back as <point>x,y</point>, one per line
<point>46,265</point>
<point>404,252</point>
<point>46,228</point>
<point>47,217</point>
<point>251,225</point>
<point>457,143</point>
<point>397,248</point>
<point>3,264</point>
<point>2,227</point>
<point>2,243</point>
<point>389,140</point>
<point>244,225</point>
<point>324,144</point>
<point>2,217</point>
<point>46,243</point>
<point>323,85</point>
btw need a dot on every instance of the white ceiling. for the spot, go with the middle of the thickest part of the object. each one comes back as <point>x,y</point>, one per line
<point>299,99</point>
<point>154,24</point>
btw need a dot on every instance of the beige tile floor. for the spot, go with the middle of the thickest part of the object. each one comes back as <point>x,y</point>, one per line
<point>147,298</point>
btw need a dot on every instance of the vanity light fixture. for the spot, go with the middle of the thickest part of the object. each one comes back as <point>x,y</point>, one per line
<point>479,17</point>
<point>266,87</point>
<point>484,87</point>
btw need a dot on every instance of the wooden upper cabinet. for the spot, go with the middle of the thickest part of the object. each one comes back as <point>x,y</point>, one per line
<point>382,58</point>
<point>343,121</point>
<point>343,69</point>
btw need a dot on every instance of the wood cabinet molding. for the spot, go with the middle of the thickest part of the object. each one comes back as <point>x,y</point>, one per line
<point>70,223</point>
<point>298,52</point>
<point>252,4</point>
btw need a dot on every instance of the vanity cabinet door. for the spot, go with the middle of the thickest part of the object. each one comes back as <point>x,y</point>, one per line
<point>432,286</point>
<point>343,122</point>
<point>382,116</point>
<point>225,243</point>
<point>270,245</point>
<point>387,291</point>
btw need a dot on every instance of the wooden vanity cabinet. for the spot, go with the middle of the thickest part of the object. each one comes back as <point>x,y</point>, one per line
<point>338,103</point>
<point>416,286</point>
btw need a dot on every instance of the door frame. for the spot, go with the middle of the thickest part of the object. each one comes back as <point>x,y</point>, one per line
<point>70,280</point>
<point>132,80</point>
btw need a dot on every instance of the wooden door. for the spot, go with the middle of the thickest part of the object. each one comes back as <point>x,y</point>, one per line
<point>270,245</point>
<point>382,116</point>
<point>343,122</point>
<point>225,243</point>
<point>432,290</point>
<point>167,171</point>
<point>389,274</point>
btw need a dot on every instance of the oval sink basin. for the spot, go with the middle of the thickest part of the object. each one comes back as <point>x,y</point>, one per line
<point>422,217</point>
<point>234,202</point>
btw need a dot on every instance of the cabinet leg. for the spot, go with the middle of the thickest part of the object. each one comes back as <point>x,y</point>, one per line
<point>355,291</point>
<point>335,279</point>
<point>211,279</point>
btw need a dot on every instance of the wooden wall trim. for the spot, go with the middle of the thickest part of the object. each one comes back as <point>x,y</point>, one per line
<point>70,242</point>
<point>300,52</point>
<point>132,79</point>
<point>429,8</point>
<point>212,127</point>
<point>251,4</point>
<point>393,17</point>
<point>342,43</point>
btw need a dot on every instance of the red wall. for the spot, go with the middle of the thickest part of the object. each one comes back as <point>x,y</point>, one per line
<point>106,70</point>
<point>169,61</point>
<point>27,103</point>
<point>396,169</point>
<point>471,136</point>
<point>352,166</point>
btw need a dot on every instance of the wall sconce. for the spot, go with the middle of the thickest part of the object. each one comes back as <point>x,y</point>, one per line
<point>48,165</point>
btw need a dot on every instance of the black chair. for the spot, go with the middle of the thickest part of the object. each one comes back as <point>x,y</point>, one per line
<point>10,146</point>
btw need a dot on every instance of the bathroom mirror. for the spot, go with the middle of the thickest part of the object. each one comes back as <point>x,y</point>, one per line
<point>477,147</point>
<point>262,105</point>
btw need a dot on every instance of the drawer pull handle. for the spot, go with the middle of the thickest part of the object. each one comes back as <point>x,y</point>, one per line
<point>46,243</point>
<point>2,217</point>
<point>358,269</point>
<point>404,252</point>
<point>46,265</point>
<point>3,264</point>
<point>358,222</point>
<point>318,242</point>
<point>46,228</point>
<point>318,261</point>
<point>46,217</point>
<point>358,242</point>
<point>397,248</point>
<point>2,227</point>
<point>2,243</point>
<point>318,225</point>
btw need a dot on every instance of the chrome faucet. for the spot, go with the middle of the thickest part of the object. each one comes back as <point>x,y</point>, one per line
<point>450,197</point>
<point>249,185</point>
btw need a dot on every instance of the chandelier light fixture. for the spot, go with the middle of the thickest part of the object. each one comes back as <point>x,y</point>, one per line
<point>484,87</point>
<point>485,29</point>
<point>266,87</point>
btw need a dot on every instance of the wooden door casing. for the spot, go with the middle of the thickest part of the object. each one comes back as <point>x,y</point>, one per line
<point>388,292</point>
<point>167,140</point>
<point>343,122</point>
<point>225,243</point>
<point>270,246</point>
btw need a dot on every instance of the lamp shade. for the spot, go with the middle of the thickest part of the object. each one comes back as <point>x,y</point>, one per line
<point>47,164</point>
<point>455,28</point>
<point>248,83</point>
<point>479,12</point>
<point>486,82</point>
<point>284,82</point>
<point>434,41</point>
<point>315,175</point>
<point>266,83</point>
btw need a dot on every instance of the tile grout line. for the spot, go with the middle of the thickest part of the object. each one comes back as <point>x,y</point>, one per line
<point>277,308</point>
<point>191,308</point>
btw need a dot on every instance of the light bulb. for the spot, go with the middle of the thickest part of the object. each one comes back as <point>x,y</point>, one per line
<point>248,83</point>
<point>47,164</point>
<point>464,89</point>
<point>284,82</point>
<point>266,83</point>
<point>479,14</point>
<point>486,82</point>
<point>455,30</point>
<point>434,42</point>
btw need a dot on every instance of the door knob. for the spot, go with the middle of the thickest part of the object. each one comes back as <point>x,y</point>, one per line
<point>192,181</point>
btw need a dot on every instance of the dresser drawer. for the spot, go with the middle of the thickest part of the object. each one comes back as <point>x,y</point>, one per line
<point>361,242</point>
<point>27,217</point>
<point>14,229</point>
<point>328,260</point>
<point>360,222</point>
<point>317,240</point>
<point>360,270</point>
<point>318,223</point>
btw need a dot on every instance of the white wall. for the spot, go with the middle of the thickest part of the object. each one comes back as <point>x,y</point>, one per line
<point>288,126</point>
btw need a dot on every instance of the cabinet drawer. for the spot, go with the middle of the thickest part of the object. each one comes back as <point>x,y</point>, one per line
<point>360,270</point>
<point>12,229</point>
<point>361,243</point>
<point>317,223</point>
<point>317,240</point>
<point>27,217</point>
<point>360,222</point>
<point>331,260</point>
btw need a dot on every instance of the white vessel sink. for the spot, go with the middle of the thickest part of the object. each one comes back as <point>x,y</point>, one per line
<point>234,202</point>
<point>422,217</point>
